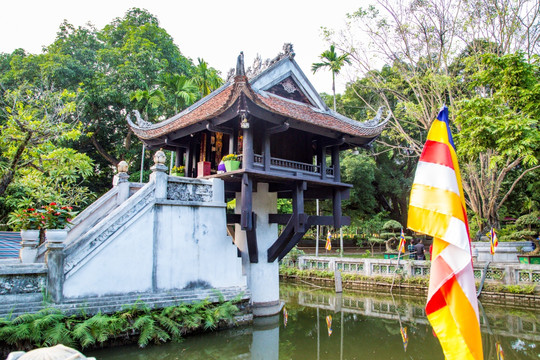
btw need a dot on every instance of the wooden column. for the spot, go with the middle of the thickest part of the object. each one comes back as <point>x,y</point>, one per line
<point>321,160</point>
<point>233,142</point>
<point>247,148</point>
<point>335,163</point>
<point>266,151</point>
<point>179,161</point>
<point>189,159</point>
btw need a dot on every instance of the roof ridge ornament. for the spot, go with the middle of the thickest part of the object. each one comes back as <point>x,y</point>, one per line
<point>140,122</point>
<point>377,120</point>
<point>240,70</point>
<point>260,65</point>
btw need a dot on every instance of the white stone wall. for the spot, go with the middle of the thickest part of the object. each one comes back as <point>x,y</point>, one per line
<point>155,243</point>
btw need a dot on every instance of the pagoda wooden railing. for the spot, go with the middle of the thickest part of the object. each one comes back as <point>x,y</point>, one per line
<point>289,166</point>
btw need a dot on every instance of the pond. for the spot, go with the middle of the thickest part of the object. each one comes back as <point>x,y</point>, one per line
<point>321,325</point>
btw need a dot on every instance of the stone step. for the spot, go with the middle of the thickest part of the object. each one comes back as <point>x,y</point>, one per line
<point>109,304</point>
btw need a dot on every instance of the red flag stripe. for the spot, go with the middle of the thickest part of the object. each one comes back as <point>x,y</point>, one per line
<point>437,153</point>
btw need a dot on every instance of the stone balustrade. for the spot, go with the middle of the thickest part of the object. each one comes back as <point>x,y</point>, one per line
<point>502,273</point>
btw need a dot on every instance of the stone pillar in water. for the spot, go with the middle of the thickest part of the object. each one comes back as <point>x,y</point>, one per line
<point>265,345</point>
<point>262,277</point>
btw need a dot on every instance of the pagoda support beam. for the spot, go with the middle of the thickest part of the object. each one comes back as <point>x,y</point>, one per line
<point>246,219</point>
<point>336,201</point>
<point>335,163</point>
<point>311,220</point>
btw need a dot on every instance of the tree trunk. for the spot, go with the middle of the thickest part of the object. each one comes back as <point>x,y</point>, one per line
<point>103,152</point>
<point>7,178</point>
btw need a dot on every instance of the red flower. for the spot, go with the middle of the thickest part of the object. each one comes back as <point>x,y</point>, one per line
<point>31,209</point>
<point>52,204</point>
<point>57,214</point>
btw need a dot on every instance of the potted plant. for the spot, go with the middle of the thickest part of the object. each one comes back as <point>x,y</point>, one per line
<point>178,170</point>
<point>391,238</point>
<point>57,219</point>
<point>528,228</point>
<point>231,162</point>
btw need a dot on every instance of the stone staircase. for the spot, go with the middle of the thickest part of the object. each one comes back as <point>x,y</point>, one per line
<point>31,303</point>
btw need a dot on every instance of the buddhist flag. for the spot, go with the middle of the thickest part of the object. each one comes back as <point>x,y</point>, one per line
<point>437,208</point>
<point>401,247</point>
<point>285,317</point>
<point>500,352</point>
<point>328,241</point>
<point>493,240</point>
<point>404,337</point>
<point>329,324</point>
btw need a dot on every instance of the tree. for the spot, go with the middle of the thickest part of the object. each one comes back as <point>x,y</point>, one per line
<point>147,99</point>
<point>332,61</point>
<point>206,78</point>
<point>498,131</point>
<point>37,165</point>
<point>181,89</point>
<point>110,64</point>
<point>427,53</point>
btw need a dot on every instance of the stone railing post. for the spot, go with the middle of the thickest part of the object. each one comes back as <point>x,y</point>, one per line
<point>120,180</point>
<point>29,246</point>
<point>159,175</point>
<point>408,268</point>
<point>367,267</point>
<point>54,258</point>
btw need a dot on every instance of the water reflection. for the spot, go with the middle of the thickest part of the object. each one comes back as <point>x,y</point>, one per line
<point>362,326</point>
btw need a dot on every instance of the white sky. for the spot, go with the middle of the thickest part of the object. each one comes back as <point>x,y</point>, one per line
<point>214,30</point>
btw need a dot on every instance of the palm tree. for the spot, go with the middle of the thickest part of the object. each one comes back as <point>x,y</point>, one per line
<point>331,60</point>
<point>147,99</point>
<point>183,90</point>
<point>207,79</point>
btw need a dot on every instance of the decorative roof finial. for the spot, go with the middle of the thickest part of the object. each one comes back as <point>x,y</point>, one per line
<point>240,71</point>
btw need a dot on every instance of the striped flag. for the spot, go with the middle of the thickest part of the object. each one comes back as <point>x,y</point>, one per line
<point>404,337</point>
<point>401,247</point>
<point>500,352</point>
<point>328,241</point>
<point>493,240</point>
<point>329,324</point>
<point>437,208</point>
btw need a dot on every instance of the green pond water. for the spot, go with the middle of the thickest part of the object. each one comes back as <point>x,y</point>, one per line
<point>363,326</point>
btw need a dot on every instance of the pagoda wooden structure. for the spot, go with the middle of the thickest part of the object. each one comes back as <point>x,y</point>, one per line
<point>284,135</point>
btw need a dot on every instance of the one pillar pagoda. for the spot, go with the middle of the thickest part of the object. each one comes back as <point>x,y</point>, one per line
<point>288,142</point>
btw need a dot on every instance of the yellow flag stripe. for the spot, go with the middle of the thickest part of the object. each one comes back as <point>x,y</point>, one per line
<point>437,200</point>
<point>436,226</point>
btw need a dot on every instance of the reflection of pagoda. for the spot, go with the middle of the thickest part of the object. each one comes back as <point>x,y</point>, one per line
<point>288,141</point>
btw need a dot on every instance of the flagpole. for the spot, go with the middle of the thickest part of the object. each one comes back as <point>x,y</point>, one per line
<point>397,266</point>
<point>395,271</point>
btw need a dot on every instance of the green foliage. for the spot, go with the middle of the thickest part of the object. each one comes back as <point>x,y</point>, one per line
<point>294,254</point>
<point>392,225</point>
<point>284,206</point>
<point>230,157</point>
<point>37,165</point>
<point>50,327</point>
<point>126,65</point>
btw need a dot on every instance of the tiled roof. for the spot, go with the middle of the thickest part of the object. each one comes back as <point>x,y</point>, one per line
<point>327,119</point>
<point>220,100</point>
